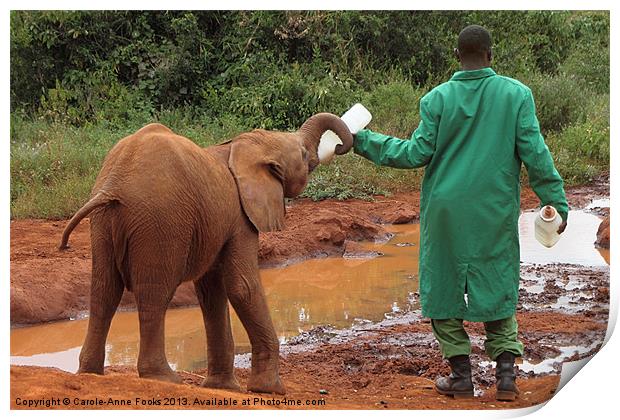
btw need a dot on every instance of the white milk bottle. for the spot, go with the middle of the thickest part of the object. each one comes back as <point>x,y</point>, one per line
<point>356,118</point>
<point>546,226</point>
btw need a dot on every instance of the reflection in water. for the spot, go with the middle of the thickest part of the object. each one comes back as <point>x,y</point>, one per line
<point>576,244</point>
<point>547,365</point>
<point>599,203</point>
<point>65,359</point>
<point>334,291</point>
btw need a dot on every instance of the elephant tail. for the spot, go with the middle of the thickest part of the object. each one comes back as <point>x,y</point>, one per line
<point>100,199</point>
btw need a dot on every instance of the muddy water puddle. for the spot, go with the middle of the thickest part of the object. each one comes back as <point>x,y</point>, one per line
<point>335,291</point>
<point>551,364</point>
<point>341,292</point>
<point>576,244</point>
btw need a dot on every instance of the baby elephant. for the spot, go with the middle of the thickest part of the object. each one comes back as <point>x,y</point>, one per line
<point>164,211</point>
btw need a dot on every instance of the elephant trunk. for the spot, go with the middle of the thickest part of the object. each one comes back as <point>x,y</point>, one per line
<point>314,127</point>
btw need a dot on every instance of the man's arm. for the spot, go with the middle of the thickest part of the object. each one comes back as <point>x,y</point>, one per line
<point>405,154</point>
<point>544,178</point>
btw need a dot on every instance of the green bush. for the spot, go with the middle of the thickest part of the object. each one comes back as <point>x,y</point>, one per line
<point>96,99</point>
<point>590,67</point>
<point>351,176</point>
<point>559,100</point>
<point>284,98</point>
<point>588,59</point>
<point>244,62</point>
<point>82,80</point>
<point>335,183</point>
<point>394,107</point>
<point>581,150</point>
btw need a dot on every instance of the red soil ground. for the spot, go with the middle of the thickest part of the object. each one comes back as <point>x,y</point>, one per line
<point>355,374</point>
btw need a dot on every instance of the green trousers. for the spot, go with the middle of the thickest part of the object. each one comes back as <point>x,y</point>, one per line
<point>454,341</point>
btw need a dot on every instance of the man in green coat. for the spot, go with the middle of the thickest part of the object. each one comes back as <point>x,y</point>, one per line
<point>475,131</point>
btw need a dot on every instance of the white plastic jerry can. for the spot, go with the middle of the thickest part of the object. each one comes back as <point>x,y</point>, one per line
<point>356,118</point>
<point>546,226</point>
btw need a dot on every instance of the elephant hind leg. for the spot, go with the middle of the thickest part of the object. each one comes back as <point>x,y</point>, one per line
<point>152,299</point>
<point>106,291</point>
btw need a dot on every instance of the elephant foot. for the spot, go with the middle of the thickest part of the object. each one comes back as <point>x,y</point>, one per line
<point>95,371</point>
<point>170,376</point>
<point>91,361</point>
<point>94,368</point>
<point>266,383</point>
<point>224,381</point>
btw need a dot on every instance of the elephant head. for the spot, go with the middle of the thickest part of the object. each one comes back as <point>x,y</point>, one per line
<point>269,166</point>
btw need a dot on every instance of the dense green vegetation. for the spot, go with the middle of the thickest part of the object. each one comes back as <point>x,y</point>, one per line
<point>80,81</point>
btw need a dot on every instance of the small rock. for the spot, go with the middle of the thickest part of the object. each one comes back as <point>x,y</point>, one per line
<point>73,385</point>
<point>362,383</point>
<point>602,235</point>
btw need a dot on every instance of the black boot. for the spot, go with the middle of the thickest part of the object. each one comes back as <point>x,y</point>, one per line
<point>458,384</point>
<point>505,374</point>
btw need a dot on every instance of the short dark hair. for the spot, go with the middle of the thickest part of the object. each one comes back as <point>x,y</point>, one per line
<point>474,40</point>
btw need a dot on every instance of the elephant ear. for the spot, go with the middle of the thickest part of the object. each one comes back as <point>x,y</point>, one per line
<point>259,181</point>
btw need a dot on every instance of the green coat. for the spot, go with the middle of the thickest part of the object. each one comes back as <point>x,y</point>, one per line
<point>475,131</point>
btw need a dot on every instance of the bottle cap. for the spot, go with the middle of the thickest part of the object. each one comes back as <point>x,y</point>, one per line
<point>548,213</point>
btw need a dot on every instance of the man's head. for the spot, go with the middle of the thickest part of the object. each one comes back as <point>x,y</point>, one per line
<point>474,48</point>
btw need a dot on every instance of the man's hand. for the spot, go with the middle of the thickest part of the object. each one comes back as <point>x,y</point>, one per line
<point>562,227</point>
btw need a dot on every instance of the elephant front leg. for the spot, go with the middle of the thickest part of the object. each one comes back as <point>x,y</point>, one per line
<point>248,299</point>
<point>220,344</point>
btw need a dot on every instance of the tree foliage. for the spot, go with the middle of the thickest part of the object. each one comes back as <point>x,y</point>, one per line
<point>270,68</point>
<point>82,80</point>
